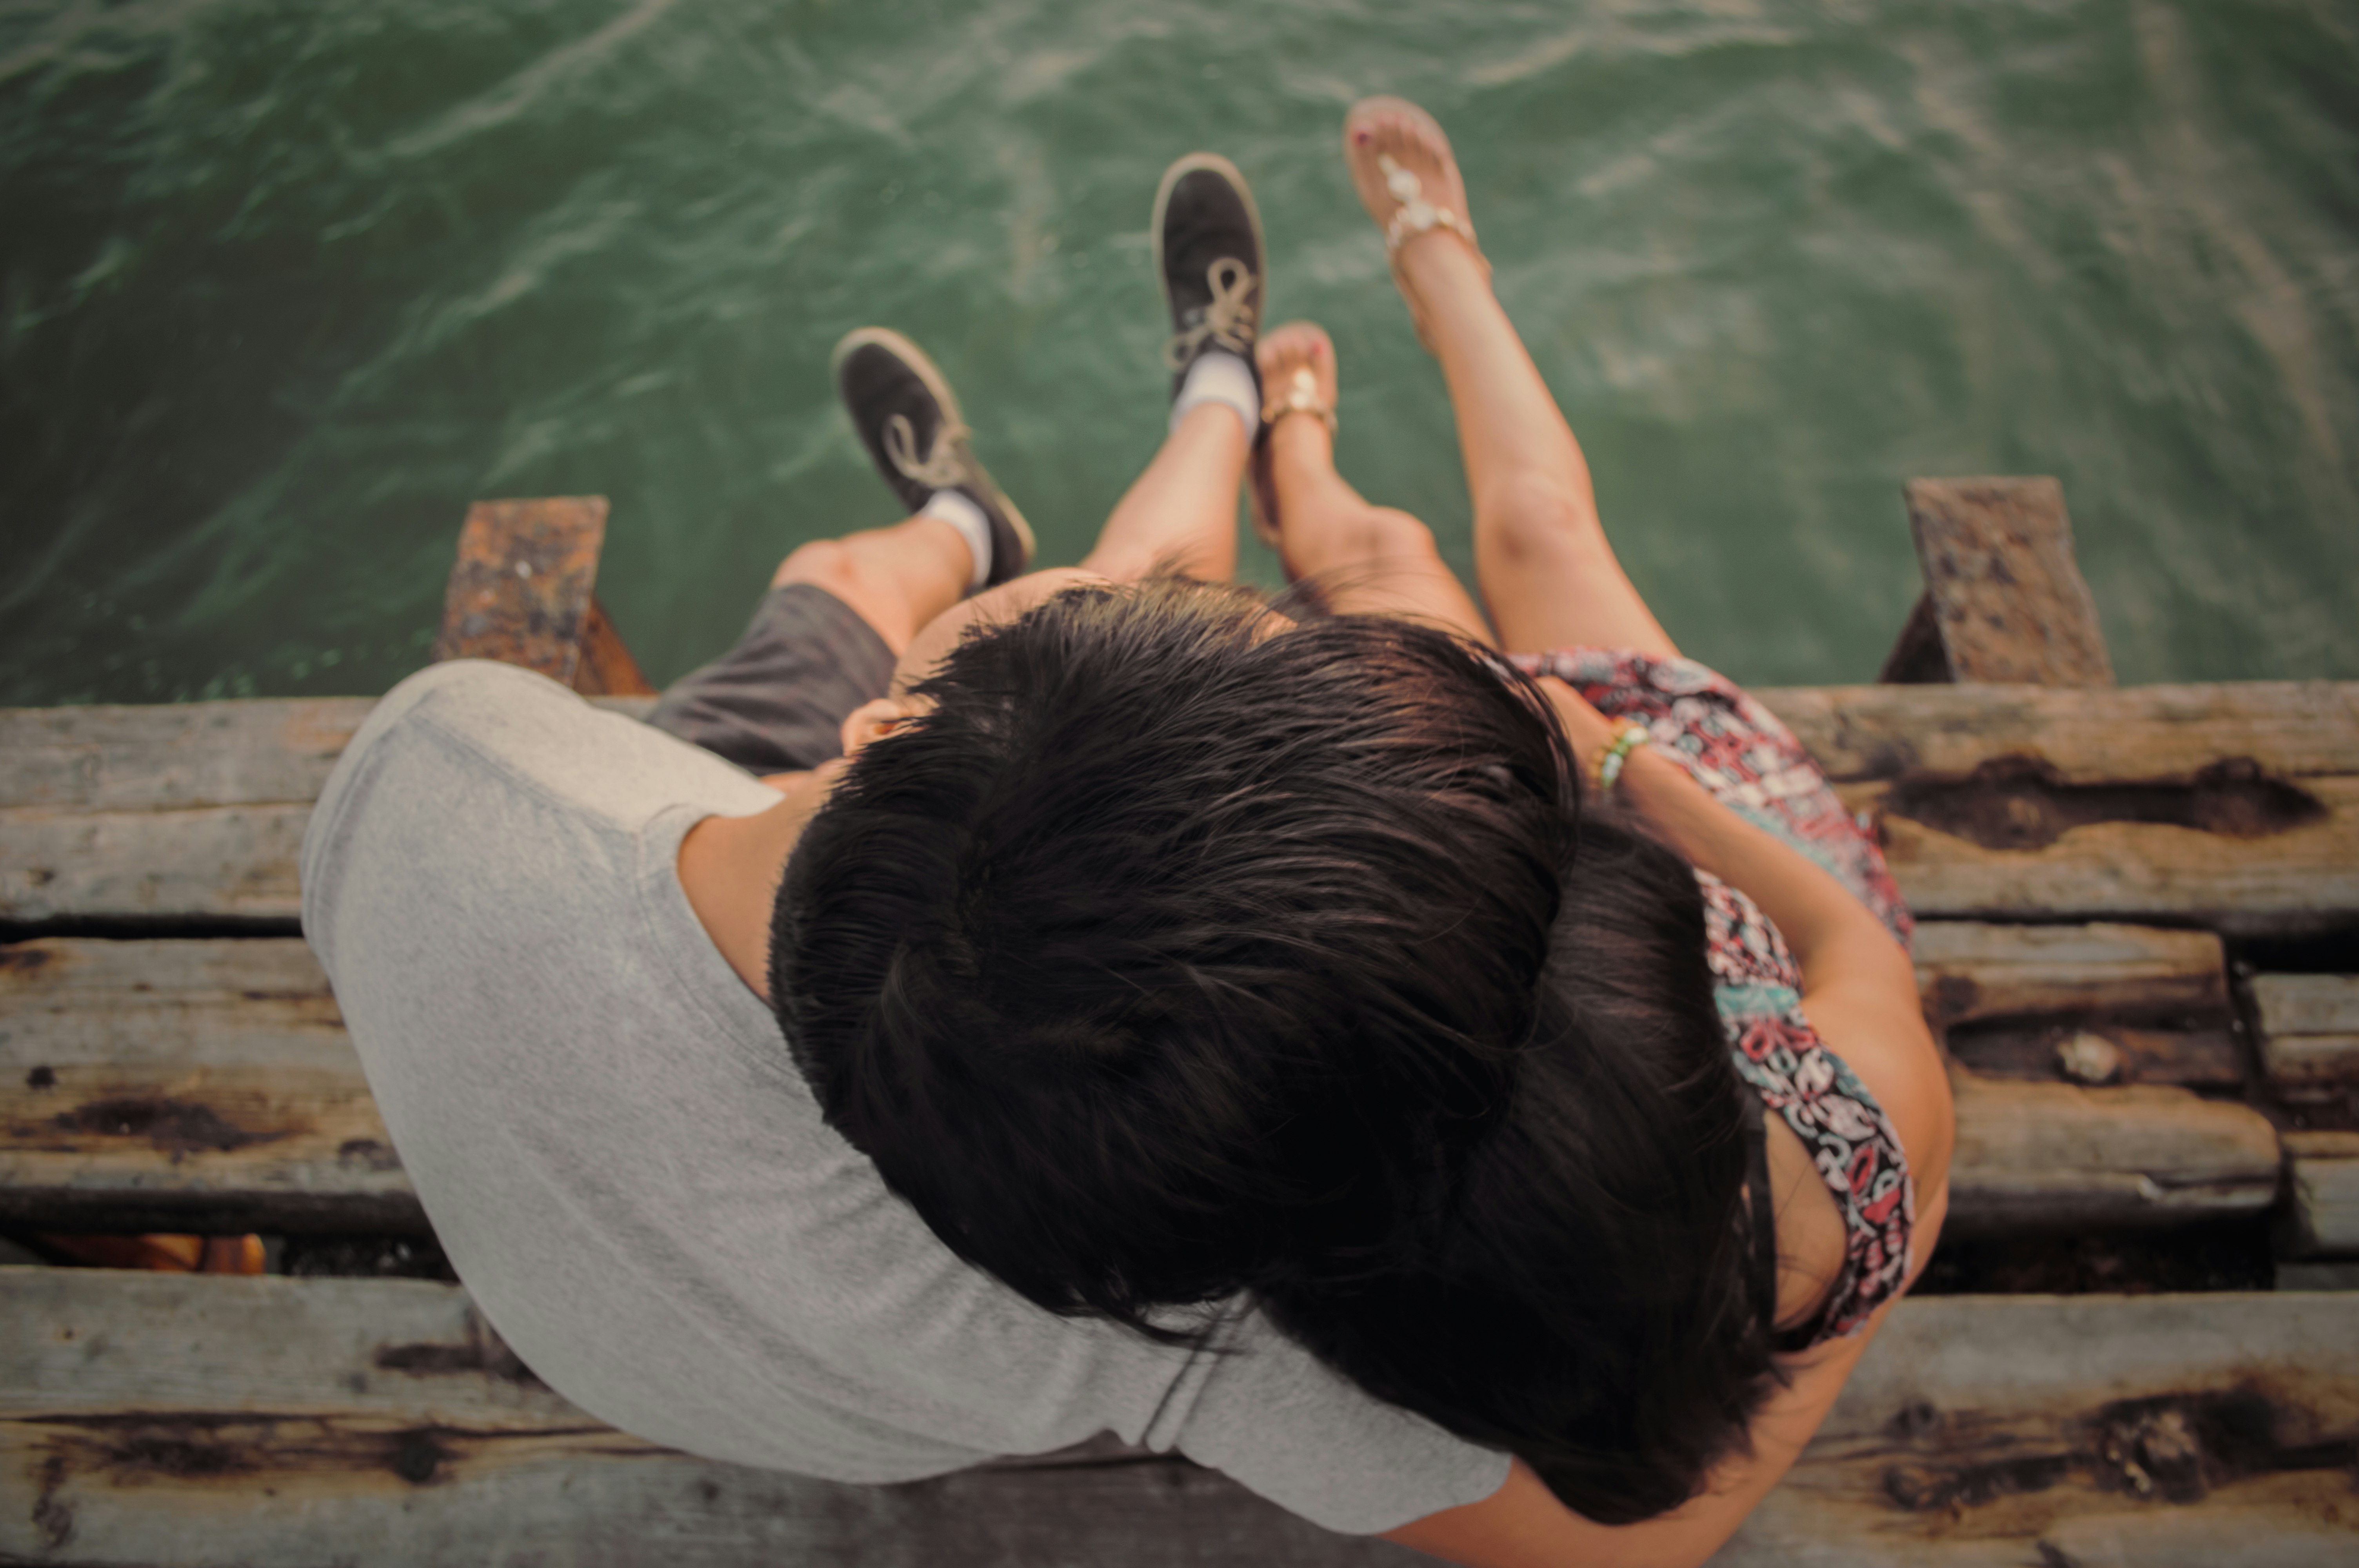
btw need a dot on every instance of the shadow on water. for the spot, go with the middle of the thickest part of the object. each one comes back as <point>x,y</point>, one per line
<point>286,286</point>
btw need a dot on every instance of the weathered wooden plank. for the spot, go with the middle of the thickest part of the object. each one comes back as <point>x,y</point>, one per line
<point>2294,877</point>
<point>1971,971</point>
<point>2093,1003</point>
<point>245,753</point>
<point>2088,735</point>
<point>171,756</point>
<point>2018,1430</point>
<point>2008,600</point>
<point>2308,1026</point>
<point>2323,1219</point>
<point>238,863</point>
<point>2307,1004</point>
<point>190,812</point>
<point>164,1419</point>
<point>2034,1155</point>
<point>2258,773</point>
<point>212,863</point>
<point>207,1085</point>
<point>520,589</point>
<point>181,1083</point>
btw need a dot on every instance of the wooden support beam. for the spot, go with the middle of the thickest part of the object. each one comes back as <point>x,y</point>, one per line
<point>2323,1220</point>
<point>178,1420</point>
<point>2005,601</point>
<point>2309,1028</point>
<point>521,592</point>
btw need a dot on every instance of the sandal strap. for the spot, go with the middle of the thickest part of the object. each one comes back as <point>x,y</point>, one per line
<point>1301,397</point>
<point>1416,215</point>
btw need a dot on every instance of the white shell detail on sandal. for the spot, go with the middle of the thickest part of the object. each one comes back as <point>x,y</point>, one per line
<point>1301,397</point>
<point>1417,215</point>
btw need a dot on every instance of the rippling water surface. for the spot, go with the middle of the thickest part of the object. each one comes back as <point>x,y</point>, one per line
<point>285,284</point>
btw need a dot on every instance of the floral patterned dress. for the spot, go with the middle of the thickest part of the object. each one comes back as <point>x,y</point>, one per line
<point>1736,748</point>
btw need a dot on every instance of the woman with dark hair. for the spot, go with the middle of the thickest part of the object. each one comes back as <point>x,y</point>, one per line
<point>1727,1148</point>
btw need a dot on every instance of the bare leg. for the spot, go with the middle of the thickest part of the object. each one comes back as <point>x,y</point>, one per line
<point>1540,552</point>
<point>1180,515</point>
<point>1373,560</point>
<point>895,579</point>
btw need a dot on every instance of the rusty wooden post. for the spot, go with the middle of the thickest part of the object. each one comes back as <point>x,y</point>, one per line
<point>2004,599</point>
<point>521,592</point>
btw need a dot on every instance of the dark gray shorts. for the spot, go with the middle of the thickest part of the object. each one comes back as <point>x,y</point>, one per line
<point>775,703</point>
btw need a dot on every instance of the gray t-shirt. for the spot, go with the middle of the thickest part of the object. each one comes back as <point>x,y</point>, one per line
<point>630,1175</point>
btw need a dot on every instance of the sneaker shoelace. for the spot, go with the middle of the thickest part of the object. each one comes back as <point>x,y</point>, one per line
<point>941,468</point>
<point>1228,319</point>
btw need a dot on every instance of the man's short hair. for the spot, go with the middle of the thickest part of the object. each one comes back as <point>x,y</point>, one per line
<point>1171,955</point>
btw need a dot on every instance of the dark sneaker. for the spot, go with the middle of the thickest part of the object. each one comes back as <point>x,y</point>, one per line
<point>909,419</point>
<point>1207,240</point>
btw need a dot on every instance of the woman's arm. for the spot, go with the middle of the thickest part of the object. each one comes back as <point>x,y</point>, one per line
<point>1859,991</point>
<point>1522,1525</point>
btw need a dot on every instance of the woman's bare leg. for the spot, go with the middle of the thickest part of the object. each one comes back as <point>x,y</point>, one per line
<point>1366,559</point>
<point>1180,515</point>
<point>1540,552</point>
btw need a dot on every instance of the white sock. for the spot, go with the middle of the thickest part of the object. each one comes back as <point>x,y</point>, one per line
<point>961,512</point>
<point>1220,376</point>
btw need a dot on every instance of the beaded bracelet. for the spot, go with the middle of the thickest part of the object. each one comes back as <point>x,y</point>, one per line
<point>1609,766</point>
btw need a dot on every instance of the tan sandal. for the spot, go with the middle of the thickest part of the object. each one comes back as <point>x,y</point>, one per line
<point>1296,392</point>
<point>1397,197</point>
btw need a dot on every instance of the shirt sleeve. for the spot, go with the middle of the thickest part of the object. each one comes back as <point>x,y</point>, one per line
<point>1276,1420</point>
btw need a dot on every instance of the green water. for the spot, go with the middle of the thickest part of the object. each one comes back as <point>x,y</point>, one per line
<point>287,285</point>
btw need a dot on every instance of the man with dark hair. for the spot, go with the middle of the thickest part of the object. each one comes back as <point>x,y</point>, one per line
<point>1137,936</point>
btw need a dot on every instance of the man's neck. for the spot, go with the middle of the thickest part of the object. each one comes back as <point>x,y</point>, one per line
<point>730,867</point>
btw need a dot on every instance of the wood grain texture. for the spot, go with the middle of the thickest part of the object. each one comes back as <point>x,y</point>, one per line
<point>191,812</point>
<point>200,1085</point>
<point>2058,1156</point>
<point>2307,1004</point>
<point>2323,1221</point>
<point>2155,733</point>
<point>187,812</point>
<point>189,1421</point>
<point>2308,1027</point>
<point>239,863</point>
<point>520,589</point>
<point>2008,601</point>
<point>212,863</point>
<point>268,749</point>
<point>1972,970</point>
<point>172,756</point>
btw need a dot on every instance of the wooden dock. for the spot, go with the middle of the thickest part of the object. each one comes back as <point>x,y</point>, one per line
<point>2139,941</point>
